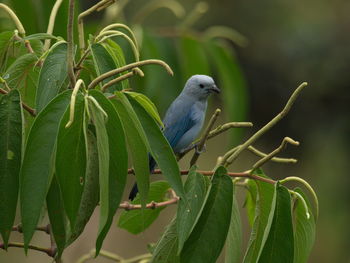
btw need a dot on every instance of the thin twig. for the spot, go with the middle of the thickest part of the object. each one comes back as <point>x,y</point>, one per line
<point>218,130</point>
<point>274,159</point>
<point>152,205</point>
<point>51,24</point>
<point>113,72</point>
<point>45,229</point>
<point>269,156</point>
<point>70,43</point>
<point>246,174</point>
<point>48,251</point>
<point>81,60</point>
<point>227,126</point>
<point>227,161</point>
<point>202,140</point>
<point>116,80</point>
<point>30,110</point>
<point>27,44</point>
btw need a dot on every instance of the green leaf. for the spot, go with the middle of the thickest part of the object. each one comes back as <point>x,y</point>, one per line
<point>166,248</point>
<point>160,149</point>
<point>40,36</point>
<point>103,63</point>
<point>90,196</point>
<point>99,120</point>
<point>232,84</point>
<point>213,223</point>
<point>52,75</point>
<point>118,165</point>
<point>20,70</point>
<point>118,57</point>
<point>70,162</point>
<point>304,229</point>
<point>234,238</point>
<point>37,162</point>
<point>136,221</point>
<point>11,127</point>
<point>194,60</point>
<point>250,202</point>
<point>279,246</point>
<point>148,105</point>
<point>57,216</point>
<point>137,143</point>
<point>189,212</point>
<point>5,40</point>
<point>264,210</point>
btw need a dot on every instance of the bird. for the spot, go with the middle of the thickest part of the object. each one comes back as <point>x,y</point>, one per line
<point>184,118</point>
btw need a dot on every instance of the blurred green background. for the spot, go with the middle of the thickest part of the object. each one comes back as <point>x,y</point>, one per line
<point>288,42</point>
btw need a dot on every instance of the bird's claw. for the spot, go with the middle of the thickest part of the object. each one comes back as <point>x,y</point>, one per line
<point>203,150</point>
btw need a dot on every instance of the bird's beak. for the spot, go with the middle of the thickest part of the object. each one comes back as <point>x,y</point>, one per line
<point>215,89</point>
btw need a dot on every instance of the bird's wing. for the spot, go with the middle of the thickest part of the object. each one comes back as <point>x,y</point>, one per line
<point>176,129</point>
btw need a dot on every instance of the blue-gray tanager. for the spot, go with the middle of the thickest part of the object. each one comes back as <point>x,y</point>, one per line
<point>185,117</point>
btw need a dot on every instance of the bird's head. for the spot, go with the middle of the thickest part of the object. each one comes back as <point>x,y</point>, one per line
<point>200,86</point>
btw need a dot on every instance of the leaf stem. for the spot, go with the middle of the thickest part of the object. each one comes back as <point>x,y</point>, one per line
<point>14,18</point>
<point>108,74</point>
<point>72,102</point>
<point>70,44</point>
<point>116,80</point>
<point>307,185</point>
<point>98,7</point>
<point>52,20</point>
<point>119,25</point>
<point>301,198</point>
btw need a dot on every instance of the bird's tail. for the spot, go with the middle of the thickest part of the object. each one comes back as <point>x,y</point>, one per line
<point>135,190</point>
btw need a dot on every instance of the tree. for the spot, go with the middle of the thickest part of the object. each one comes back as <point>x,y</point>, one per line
<point>67,120</point>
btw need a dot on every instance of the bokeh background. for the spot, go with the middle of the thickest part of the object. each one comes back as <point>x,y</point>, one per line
<point>275,45</point>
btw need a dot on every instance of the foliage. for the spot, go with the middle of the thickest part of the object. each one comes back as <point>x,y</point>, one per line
<point>72,151</point>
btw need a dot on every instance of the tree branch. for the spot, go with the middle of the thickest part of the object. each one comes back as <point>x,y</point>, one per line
<point>48,251</point>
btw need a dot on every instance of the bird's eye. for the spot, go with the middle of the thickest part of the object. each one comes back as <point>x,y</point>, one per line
<point>201,86</point>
